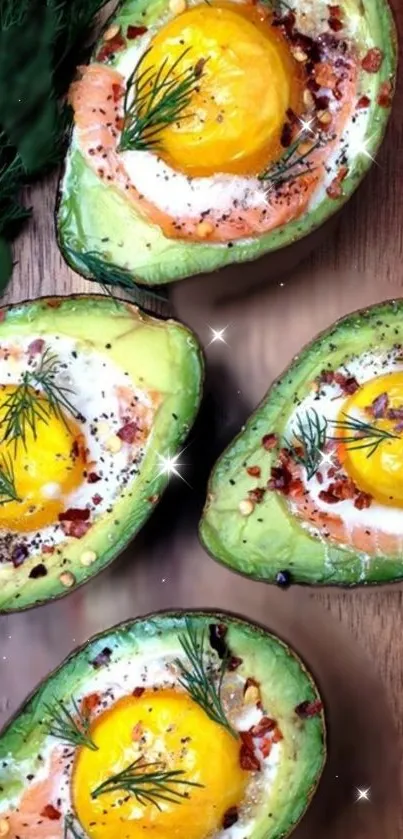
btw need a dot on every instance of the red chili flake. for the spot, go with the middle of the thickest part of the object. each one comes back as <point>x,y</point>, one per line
<point>97,499</point>
<point>328,497</point>
<point>326,377</point>
<point>319,477</point>
<point>321,103</point>
<point>254,471</point>
<point>277,736</point>
<point>93,478</point>
<point>36,347</point>
<point>262,727</point>
<point>307,709</point>
<point>234,662</point>
<point>102,658</point>
<point>230,817</point>
<point>50,812</point>
<point>335,24</point>
<point>135,32</point>
<point>325,75</point>
<point>363,102</point>
<point>90,702</point>
<point>363,500</point>
<point>281,478</point>
<point>120,123</point>
<point>342,489</point>
<point>77,529</point>
<point>286,135</point>
<point>247,757</point>
<point>266,747</point>
<point>372,61</point>
<point>75,514</point>
<point>384,98</point>
<point>379,405</point>
<point>348,384</point>
<point>128,432</point>
<point>117,91</point>
<point>256,495</point>
<point>335,189</point>
<point>48,549</point>
<point>269,441</point>
<point>111,47</point>
<point>138,692</point>
<point>335,11</point>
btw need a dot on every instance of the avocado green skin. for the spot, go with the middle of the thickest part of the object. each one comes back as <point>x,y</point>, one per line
<point>284,683</point>
<point>169,359</point>
<point>279,542</point>
<point>88,211</point>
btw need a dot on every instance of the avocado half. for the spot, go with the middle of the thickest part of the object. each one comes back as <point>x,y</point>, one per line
<point>93,217</point>
<point>286,688</point>
<point>271,544</point>
<point>161,355</point>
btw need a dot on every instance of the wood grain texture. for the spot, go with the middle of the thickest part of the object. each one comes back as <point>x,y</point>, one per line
<point>352,639</point>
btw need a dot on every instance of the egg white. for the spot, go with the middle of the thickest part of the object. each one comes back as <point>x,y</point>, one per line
<point>93,379</point>
<point>329,403</point>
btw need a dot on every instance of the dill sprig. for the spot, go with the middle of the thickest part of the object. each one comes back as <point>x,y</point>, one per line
<point>70,831</point>
<point>200,684</point>
<point>111,278</point>
<point>149,783</point>
<point>291,165</point>
<point>156,98</point>
<point>310,434</point>
<point>71,729</point>
<point>363,434</point>
<point>8,490</point>
<point>26,405</point>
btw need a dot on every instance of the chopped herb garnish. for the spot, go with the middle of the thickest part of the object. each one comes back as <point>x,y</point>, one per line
<point>149,783</point>
<point>8,491</point>
<point>72,728</point>
<point>310,435</point>
<point>363,434</point>
<point>291,166</point>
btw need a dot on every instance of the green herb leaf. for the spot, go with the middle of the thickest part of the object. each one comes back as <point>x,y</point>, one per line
<point>363,435</point>
<point>309,432</point>
<point>8,491</point>
<point>201,685</point>
<point>70,830</point>
<point>71,729</point>
<point>291,166</point>
<point>148,783</point>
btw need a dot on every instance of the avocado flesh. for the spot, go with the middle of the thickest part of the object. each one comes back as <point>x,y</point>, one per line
<point>284,684</point>
<point>158,355</point>
<point>272,539</point>
<point>93,216</point>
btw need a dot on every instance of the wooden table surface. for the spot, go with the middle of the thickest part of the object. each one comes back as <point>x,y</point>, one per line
<point>353,640</point>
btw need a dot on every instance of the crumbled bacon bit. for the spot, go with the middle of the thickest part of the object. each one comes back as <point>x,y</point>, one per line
<point>90,702</point>
<point>93,478</point>
<point>281,478</point>
<point>277,736</point>
<point>335,189</point>
<point>269,441</point>
<point>97,499</point>
<point>343,488</point>
<point>325,75</point>
<point>76,529</point>
<point>372,61</point>
<point>379,405</point>
<point>286,135</point>
<point>36,347</point>
<point>48,549</point>
<point>335,24</point>
<point>75,514</point>
<point>234,662</point>
<point>120,123</point>
<point>247,757</point>
<point>363,500</point>
<point>256,495</point>
<point>50,812</point>
<point>266,747</point>
<point>254,471</point>
<point>102,658</point>
<point>363,102</point>
<point>230,817</point>
<point>348,384</point>
<point>328,497</point>
<point>384,98</point>
<point>262,727</point>
<point>128,432</point>
<point>115,44</point>
<point>135,32</point>
<point>307,709</point>
<point>138,692</point>
<point>335,11</point>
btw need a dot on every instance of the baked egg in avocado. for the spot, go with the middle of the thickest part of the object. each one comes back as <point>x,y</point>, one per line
<point>198,725</point>
<point>207,133</point>
<point>95,397</point>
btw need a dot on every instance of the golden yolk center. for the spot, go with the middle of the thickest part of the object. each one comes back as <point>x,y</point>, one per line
<point>45,467</point>
<point>167,727</point>
<point>378,472</point>
<point>248,80</point>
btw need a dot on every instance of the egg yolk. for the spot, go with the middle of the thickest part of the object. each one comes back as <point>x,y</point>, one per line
<point>160,726</point>
<point>380,472</point>
<point>248,80</point>
<point>45,467</point>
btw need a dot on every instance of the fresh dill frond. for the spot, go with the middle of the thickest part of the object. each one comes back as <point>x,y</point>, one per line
<point>291,165</point>
<point>309,435</point>
<point>111,278</point>
<point>70,830</point>
<point>73,730</point>
<point>155,98</point>
<point>202,686</point>
<point>363,434</point>
<point>149,783</point>
<point>8,490</point>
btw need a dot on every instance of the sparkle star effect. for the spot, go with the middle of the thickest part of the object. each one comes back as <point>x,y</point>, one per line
<point>363,794</point>
<point>170,465</point>
<point>360,147</point>
<point>218,335</point>
<point>306,127</point>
